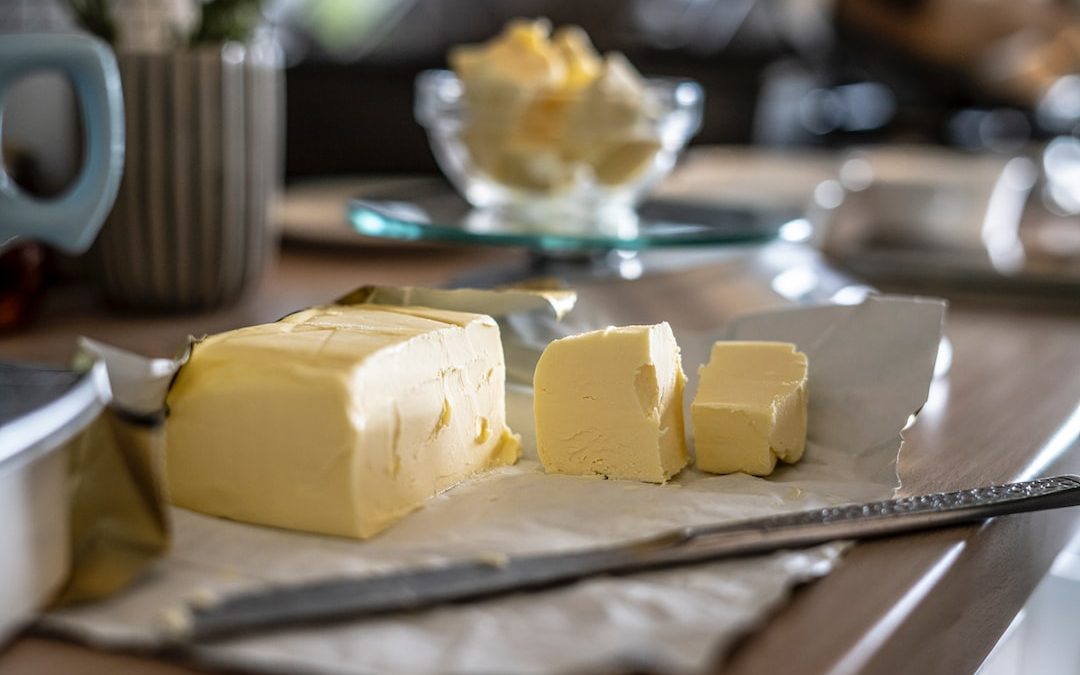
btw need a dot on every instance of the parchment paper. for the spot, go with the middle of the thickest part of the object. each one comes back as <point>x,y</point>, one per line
<point>871,366</point>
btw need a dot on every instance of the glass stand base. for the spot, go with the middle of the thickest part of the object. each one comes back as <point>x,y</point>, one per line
<point>429,210</point>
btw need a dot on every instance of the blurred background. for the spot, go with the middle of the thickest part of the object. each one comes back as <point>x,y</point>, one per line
<point>981,75</point>
<point>974,74</point>
<point>898,122</point>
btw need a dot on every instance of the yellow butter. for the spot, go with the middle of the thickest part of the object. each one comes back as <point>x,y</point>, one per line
<point>521,58</point>
<point>609,403</point>
<point>613,106</point>
<point>337,420</point>
<point>583,64</point>
<point>624,162</point>
<point>546,111</point>
<point>750,407</point>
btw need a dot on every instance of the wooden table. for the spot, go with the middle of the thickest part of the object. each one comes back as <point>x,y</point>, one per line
<point>930,603</point>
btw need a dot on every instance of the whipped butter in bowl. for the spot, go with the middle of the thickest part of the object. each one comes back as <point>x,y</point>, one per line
<point>538,123</point>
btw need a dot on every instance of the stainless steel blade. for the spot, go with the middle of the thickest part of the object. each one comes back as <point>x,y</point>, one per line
<point>419,588</point>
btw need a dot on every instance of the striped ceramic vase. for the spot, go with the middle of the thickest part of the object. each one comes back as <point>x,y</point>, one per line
<point>191,227</point>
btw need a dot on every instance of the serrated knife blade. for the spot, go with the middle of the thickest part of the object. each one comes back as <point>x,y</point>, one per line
<point>419,588</point>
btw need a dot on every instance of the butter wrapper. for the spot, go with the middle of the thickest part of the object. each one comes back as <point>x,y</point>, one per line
<point>119,516</point>
<point>874,364</point>
<point>120,522</point>
<point>528,316</point>
<point>499,303</point>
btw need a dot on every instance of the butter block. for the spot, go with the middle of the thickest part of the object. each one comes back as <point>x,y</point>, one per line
<point>750,407</point>
<point>337,420</point>
<point>610,403</point>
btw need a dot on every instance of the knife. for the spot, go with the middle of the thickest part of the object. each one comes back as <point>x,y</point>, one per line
<point>412,589</point>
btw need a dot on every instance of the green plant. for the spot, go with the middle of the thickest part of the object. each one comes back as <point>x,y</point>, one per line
<point>224,20</point>
<point>96,17</point>
<point>219,20</point>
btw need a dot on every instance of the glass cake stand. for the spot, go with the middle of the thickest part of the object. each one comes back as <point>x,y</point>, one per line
<point>429,210</point>
<point>660,234</point>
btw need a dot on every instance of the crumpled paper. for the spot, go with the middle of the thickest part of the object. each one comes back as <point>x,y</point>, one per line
<point>871,366</point>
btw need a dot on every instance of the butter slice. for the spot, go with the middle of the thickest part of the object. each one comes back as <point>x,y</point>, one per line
<point>609,403</point>
<point>338,420</point>
<point>750,407</point>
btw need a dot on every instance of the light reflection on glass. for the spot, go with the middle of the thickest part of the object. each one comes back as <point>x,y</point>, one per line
<point>796,231</point>
<point>1061,162</point>
<point>828,194</point>
<point>851,295</point>
<point>795,283</point>
<point>856,174</point>
<point>1001,225</point>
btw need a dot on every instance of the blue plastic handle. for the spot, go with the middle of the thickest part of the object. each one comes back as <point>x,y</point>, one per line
<point>71,221</point>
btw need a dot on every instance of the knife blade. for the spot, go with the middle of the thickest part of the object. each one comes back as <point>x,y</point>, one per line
<point>412,589</point>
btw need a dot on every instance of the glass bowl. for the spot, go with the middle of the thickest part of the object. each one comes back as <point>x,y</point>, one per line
<point>552,159</point>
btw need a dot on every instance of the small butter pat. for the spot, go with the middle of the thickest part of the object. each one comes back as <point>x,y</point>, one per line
<point>750,407</point>
<point>610,403</point>
<point>337,420</point>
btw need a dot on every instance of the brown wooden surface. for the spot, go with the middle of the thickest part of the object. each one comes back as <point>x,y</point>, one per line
<point>933,603</point>
<point>1013,384</point>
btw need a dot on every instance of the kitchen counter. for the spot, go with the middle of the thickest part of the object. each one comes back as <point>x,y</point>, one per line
<point>929,603</point>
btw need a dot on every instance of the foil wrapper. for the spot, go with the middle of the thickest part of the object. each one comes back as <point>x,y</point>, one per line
<point>119,520</point>
<point>528,318</point>
<point>119,514</point>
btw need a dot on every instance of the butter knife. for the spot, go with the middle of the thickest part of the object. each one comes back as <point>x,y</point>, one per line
<point>419,588</point>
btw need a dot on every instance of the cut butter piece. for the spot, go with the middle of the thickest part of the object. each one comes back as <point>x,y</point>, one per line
<point>750,407</point>
<point>338,420</point>
<point>609,403</point>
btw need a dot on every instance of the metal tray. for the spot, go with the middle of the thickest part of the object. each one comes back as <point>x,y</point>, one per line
<point>41,410</point>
